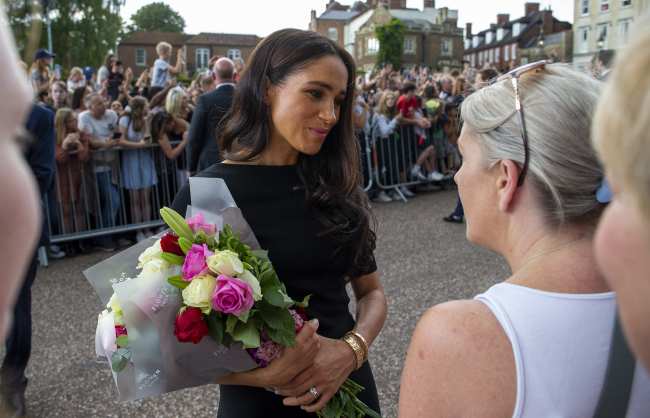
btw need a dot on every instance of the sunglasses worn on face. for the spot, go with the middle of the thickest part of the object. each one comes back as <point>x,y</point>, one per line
<point>513,76</point>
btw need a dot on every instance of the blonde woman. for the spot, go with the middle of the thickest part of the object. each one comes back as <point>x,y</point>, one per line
<point>623,142</point>
<point>537,344</point>
<point>76,79</point>
<point>72,151</point>
<point>138,169</point>
<point>176,106</point>
<point>383,124</point>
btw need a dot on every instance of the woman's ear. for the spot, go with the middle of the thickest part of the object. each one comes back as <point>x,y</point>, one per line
<point>506,184</point>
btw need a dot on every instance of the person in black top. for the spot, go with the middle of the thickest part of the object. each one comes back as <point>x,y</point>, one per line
<point>292,166</point>
<point>209,112</point>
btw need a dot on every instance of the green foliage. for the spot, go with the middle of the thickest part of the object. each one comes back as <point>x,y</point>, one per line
<point>157,16</point>
<point>177,281</point>
<point>346,404</point>
<point>391,43</point>
<point>83,31</point>
<point>120,359</point>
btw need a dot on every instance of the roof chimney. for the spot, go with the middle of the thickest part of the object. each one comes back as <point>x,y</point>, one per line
<point>468,30</point>
<point>503,19</point>
<point>531,8</point>
<point>429,4</point>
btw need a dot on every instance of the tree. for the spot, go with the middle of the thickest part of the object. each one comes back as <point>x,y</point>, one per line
<point>391,43</point>
<point>83,31</point>
<point>157,17</point>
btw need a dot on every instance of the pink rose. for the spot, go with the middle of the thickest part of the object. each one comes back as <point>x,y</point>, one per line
<point>195,261</point>
<point>197,223</point>
<point>232,296</point>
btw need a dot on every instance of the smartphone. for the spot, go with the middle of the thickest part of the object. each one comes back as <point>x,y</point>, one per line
<point>116,135</point>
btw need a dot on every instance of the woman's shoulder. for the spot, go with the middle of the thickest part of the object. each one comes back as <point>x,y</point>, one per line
<point>462,344</point>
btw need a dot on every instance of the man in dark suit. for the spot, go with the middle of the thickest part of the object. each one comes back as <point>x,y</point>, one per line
<point>40,158</point>
<point>208,115</point>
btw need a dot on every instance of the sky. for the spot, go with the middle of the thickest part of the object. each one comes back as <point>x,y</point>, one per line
<point>261,17</point>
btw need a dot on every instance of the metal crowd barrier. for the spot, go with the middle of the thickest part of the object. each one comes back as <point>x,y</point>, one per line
<point>391,158</point>
<point>115,191</point>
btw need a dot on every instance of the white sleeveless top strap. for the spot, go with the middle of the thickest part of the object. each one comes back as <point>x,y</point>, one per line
<point>560,344</point>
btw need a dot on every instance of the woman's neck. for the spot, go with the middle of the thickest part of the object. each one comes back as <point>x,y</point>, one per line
<point>560,262</point>
<point>278,152</point>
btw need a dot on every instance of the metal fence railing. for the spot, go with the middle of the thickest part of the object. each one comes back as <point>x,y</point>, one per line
<point>116,190</point>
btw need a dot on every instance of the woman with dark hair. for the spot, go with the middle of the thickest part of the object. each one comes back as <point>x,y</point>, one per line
<point>78,101</point>
<point>292,166</point>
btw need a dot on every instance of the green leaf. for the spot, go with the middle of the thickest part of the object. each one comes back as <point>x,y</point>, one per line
<point>230,323</point>
<point>247,333</point>
<point>173,259</point>
<point>216,327</point>
<point>282,336</point>
<point>120,359</point>
<point>178,282</point>
<point>176,222</point>
<point>277,297</point>
<point>304,303</point>
<point>275,318</point>
<point>261,254</point>
<point>185,244</point>
<point>122,341</point>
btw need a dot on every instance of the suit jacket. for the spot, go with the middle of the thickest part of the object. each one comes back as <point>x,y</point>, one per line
<point>209,112</point>
<point>40,156</point>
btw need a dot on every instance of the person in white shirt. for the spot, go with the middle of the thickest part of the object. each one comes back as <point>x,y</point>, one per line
<point>537,344</point>
<point>623,142</point>
<point>101,125</point>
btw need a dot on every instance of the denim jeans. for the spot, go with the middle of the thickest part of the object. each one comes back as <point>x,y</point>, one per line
<point>109,199</point>
<point>458,212</point>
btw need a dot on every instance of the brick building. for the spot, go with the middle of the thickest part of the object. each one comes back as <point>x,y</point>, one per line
<point>508,43</point>
<point>138,50</point>
<point>432,37</point>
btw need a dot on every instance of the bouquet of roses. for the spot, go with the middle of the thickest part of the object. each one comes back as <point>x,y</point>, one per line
<point>204,283</point>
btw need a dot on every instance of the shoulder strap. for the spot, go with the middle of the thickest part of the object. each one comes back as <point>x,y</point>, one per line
<point>615,395</point>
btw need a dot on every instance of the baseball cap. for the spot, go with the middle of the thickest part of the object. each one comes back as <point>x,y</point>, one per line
<point>43,53</point>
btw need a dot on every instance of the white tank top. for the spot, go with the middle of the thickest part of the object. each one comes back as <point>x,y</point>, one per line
<point>561,346</point>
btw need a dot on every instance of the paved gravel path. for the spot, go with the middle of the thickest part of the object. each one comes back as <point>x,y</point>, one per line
<point>423,261</point>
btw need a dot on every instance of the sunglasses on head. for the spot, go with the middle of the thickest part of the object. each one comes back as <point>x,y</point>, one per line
<point>513,76</point>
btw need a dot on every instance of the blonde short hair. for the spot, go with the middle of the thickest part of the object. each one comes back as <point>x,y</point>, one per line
<point>174,101</point>
<point>162,47</point>
<point>564,169</point>
<point>622,136</point>
<point>76,70</point>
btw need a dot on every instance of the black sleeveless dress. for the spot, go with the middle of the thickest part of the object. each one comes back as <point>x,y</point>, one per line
<point>272,199</point>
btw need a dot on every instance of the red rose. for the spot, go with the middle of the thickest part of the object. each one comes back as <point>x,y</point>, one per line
<point>190,326</point>
<point>120,330</point>
<point>169,244</point>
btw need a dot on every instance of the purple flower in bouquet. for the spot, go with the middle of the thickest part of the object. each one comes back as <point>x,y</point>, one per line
<point>265,353</point>
<point>232,296</point>
<point>197,223</point>
<point>195,263</point>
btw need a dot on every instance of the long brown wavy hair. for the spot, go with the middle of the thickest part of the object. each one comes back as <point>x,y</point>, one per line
<point>332,178</point>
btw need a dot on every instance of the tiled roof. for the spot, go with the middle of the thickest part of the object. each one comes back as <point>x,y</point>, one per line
<point>224,39</point>
<point>339,15</point>
<point>152,38</point>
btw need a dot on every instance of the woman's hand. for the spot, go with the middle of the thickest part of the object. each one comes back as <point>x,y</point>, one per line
<point>291,362</point>
<point>332,366</point>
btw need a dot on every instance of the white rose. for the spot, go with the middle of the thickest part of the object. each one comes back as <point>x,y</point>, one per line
<point>152,253</point>
<point>199,292</point>
<point>225,262</point>
<point>252,281</point>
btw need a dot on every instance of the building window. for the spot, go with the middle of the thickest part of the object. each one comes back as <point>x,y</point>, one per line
<point>626,3</point>
<point>624,31</point>
<point>409,44</point>
<point>584,7</point>
<point>604,6</point>
<point>473,60</point>
<point>489,37</point>
<point>524,60</point>
<point>234,54</point>
<point>497,55</point>
<point>506,53</point>
<point>514,52</point>
<point>602,36</point>
<point>333,34</point>
<point>202,56</point>
<point>583,39</point>
<point>141,57</point>
<point>517,28</point>
<point>372,46</point>
<point>446,47</point>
